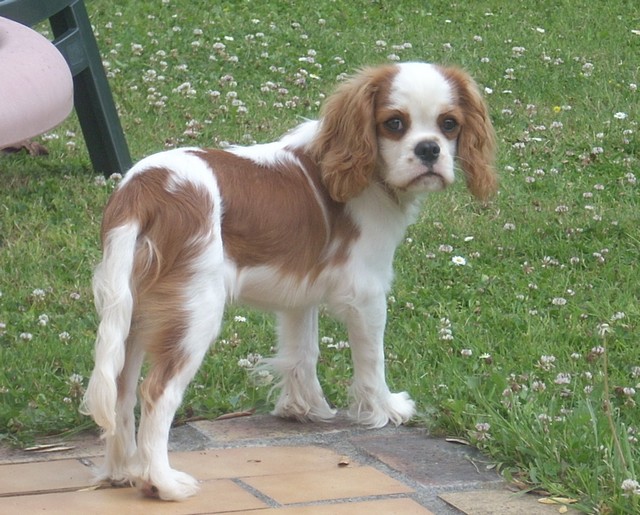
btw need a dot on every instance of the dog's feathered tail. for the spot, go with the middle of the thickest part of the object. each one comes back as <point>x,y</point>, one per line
<point>114,303</point>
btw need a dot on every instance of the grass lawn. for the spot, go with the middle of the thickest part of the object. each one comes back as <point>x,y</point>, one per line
<point>529,350</point>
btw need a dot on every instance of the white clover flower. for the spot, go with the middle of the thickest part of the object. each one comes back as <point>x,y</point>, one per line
<point>239,318</point>
<point>339,345</point>
<point>445,248</point>
<point>538,386</point>
<point>559,301</point>
<point>546,362</point>
<point>466,353</point>
<point>75,379</point>
<point>458,260</point>
<point>587,69</point>
<point>603,330</point>
<point>39,293</point>
<point>486,357</point>
<point>445,334</point>
<point>563,378</point>
<point>620,116</point>
<point>483,427</point>
<point>630,487</point>
<point>136,49</point>
<point>263,378</point>
<point>43,320</point>
<point>244,363</point>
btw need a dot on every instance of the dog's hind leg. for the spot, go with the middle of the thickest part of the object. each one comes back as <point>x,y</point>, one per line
<point>121,446</point>
<point>183,332</point>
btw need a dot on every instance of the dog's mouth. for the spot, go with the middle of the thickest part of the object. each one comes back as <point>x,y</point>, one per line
<point>429,176</point>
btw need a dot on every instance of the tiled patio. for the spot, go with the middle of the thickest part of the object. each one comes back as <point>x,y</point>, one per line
<point>310,480</point>
<point>262,465</point>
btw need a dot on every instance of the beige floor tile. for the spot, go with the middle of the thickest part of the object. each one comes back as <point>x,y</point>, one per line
<point>218,496</point>
<point>253,461</point>
<point>489,502</point>
<point>44,476</point>
<point>337,483</point>
<point>381,507</point>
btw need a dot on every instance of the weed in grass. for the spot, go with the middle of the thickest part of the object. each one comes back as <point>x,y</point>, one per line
<point>496,319</point>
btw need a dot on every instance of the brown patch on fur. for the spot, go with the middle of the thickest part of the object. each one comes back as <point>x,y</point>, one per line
<point>272,216</point>
<point>476,142</point>
<point>346,147</point>
<point>174,227</point>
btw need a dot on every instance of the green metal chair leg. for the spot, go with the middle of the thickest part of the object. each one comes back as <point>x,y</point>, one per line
<point>93,100</point>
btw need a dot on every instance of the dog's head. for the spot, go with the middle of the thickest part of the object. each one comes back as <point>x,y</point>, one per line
<point>405,125</point>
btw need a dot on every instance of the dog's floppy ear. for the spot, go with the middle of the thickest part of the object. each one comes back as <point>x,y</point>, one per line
<point>477,141</point>
<point>346,146</point>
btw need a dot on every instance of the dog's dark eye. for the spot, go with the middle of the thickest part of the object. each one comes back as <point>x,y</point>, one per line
<point>449,125</point>
<point>394,125</point>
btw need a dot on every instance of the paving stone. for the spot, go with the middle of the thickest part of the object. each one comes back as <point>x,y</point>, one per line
<point>266,427</point>
<point>220,496</point>
<point>25,478</point>
<point>187,438</point>
<point>491,502</point>
<point>339,483</point>
<point>89,443</point>
<point>254,461</point>
<point>378,507</point>
<point>78,446</point>
<point>430,461</point>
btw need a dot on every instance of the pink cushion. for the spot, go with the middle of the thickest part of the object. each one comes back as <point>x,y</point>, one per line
<point>36,87</point>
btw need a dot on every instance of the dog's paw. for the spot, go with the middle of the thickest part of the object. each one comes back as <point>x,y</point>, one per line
<point>396,408</point>
<point>116,477</point>
<point>171,486</point>
<point>297,409</point>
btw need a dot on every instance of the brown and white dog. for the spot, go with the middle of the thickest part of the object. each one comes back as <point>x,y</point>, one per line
<point>311,219</point>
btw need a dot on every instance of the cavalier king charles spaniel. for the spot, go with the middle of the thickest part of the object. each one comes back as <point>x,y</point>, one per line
<point>311,219</point>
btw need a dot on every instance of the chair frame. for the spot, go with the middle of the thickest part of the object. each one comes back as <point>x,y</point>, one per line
<point>93,101</point>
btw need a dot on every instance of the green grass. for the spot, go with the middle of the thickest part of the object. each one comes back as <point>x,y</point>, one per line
<point>549,261</point>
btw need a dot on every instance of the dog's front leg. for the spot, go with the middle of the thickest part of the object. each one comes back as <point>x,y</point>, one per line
<point>295,364</point>
<point>373,404</point>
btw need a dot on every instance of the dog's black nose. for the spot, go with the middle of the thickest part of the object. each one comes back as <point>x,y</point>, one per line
<point>428,151</point>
